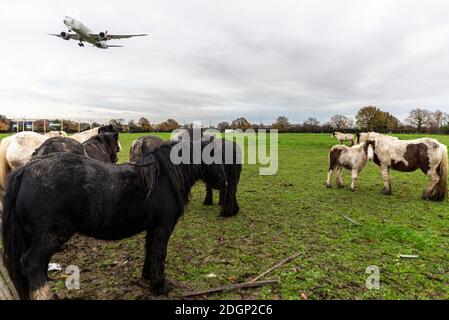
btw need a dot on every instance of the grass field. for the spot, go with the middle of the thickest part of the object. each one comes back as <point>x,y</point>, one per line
<point>280,215</point>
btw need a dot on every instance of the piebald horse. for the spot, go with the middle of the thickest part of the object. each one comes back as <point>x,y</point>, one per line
<point>342,137</point>
<point>426,154</point>
<point>352,158</point>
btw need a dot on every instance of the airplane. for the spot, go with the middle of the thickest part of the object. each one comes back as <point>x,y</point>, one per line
<point>84,34</point>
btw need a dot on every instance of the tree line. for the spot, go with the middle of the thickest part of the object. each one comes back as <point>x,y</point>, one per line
<point>369,118</point>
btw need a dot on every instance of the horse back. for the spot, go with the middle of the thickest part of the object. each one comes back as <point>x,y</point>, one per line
<point>76,194</point>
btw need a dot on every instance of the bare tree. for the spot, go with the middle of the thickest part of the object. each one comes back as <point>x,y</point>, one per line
<point>419,118</point>
<point>341,122</point>
<point>281,123</point>
<point>440,118</point>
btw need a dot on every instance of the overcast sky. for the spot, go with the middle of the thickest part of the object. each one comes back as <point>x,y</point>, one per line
<point>213,60</point>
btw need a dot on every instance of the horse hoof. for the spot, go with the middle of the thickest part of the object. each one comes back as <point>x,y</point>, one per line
<point>329,186</point>
<point>208,203</point>
<point>341,186</point>
<point>354,189</point>
<point>228,214</point>
<point>161,289</point>
<point>386,192</point>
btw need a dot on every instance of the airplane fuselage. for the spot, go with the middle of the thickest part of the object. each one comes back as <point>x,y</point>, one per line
<point>84,32</point>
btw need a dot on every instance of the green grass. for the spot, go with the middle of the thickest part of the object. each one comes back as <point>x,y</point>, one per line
<point>280,215</point>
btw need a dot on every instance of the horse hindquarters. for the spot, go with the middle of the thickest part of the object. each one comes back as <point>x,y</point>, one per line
<point>438,190</point>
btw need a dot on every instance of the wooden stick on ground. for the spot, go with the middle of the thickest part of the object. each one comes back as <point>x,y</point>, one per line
<point>254,283</point>
<point>350,220</point>
<point>281,263</point>
<point>251,284</point>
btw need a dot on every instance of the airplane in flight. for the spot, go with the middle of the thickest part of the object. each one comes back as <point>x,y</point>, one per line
<point>82,34</point>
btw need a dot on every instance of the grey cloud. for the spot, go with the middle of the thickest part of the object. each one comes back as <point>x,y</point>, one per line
<point>218,60</point>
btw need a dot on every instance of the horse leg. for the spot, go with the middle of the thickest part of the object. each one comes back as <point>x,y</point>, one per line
<point>209,199</point>
<point>35,264</point>
<point>156,251</point>
<point>385,170</point>
<point>354,176</point>
<point>228,201</point>
<point>329,178</point>
<point>339,175</point>
<point>434,179</point>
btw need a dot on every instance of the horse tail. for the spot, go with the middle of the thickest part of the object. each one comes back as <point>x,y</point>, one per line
<point>4,166</point>
<point>14,238</point>
<point>441,192</point>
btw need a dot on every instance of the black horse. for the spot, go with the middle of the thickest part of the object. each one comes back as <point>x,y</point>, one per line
<point>233,168</point>
<point>227,198</point>
<point>53,197</point>
<point>232,158</point>
<point>103,147</point>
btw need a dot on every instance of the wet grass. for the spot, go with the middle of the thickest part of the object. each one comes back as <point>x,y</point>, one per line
<point>280,215</point>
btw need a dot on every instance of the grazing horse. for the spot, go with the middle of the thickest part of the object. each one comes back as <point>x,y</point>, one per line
<point>85,135</point>
<point>232,160</point>
<point>426,154</point>
<point>233,168</point>
<point>352,158</point>
<point>342,137</point>
<point>53,197</point>
<point>103,147</point>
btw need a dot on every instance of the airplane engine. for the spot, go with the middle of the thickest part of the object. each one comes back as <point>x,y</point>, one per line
<point>103,36</point>
<point>101,44</point>
<point>64,35</point>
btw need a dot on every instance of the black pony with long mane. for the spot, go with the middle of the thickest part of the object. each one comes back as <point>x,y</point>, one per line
<point>231,158</point>
<point>103,147</point>
<point>44,209</point>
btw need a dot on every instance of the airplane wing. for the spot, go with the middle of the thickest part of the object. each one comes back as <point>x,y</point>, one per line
<point>73,36</point>
<point>120,36</point>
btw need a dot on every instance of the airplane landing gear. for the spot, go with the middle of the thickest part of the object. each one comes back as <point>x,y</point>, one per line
<point>81,44</point>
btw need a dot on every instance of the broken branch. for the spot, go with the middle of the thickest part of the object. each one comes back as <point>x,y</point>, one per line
<point>276,266</point>
<point>251,284</point>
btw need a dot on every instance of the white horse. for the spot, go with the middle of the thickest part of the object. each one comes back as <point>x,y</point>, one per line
<point>85,135</point>
<point>426,154</point>
<point>52,134</point>
<point>352,158</point>
<point>342,137</point>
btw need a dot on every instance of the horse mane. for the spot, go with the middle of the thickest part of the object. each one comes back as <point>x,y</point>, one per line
<point>181,177</point>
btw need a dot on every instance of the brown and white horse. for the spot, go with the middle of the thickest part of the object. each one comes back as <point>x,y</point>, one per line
<point>342,137</point>
<point>352,158</point>
<point>426,154</point>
